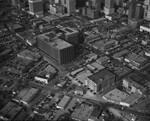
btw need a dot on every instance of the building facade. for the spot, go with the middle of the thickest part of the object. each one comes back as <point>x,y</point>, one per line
<point>36,7</point>
<point>100,80</point>
<point>133,87</point>
<point>69,6</point>
<point>109,7</point>
<point>58,49</point>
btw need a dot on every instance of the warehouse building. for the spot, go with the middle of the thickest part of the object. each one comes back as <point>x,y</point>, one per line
<point>58,49</point>
<point>90,57</point>
<point>64,102</point>
<point>103,60</point>
<point>19,65</point>
<point>82,113</point>
<point>145,28</point>
<point>81,77</point>
<point>121,54</point>
<point>10,110</point>
<point>139,62</point>
<point>97,66</point>
<point>26,95</point>
<point>131,57</point>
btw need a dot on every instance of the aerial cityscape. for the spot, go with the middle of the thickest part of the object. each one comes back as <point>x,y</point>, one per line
<point>74,60</point>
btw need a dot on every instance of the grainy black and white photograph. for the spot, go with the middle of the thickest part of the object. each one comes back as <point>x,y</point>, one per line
<point>74,60</point>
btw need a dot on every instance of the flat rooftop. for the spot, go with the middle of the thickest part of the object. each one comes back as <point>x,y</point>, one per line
<point>53,40</point>
<point>69,30</point>
<point>29,54</point>
<point>116,95</point>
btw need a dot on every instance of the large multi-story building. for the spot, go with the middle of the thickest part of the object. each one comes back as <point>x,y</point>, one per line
<point>133,84</point>
<point>109,7</point>
<point>58,49</point>
<point>100,80</point>
<point>69,6</point>
<point>147,10</point>
<point>92,9</point>
<point>36,7</point>
<point>70,35</point>
<point>135,13</point>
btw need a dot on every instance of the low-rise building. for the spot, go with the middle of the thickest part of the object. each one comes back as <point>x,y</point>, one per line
<point>81,77</point>
<point>132,86</point>
<point>19,65</point>
<point>121,54</point>
<point>131,100</point>
<point>26,95</point>
<point>72,103</point>
<point>29,55</point>
<point>115,96</point>
<point>108,44</point>
<point>139,62</point>
<point>17,28</point>
<point>75,72</point>
<point>103,60</point>
<point>131,57</point>
<point>10,110</point>
<point>91,56</point>
<point>45,75</point>
<point>82,113</point>
<point>129,117</point>
<point>64,102</point>
<point>96,113</point>
<point>100,80</point>
<point>147,53</point>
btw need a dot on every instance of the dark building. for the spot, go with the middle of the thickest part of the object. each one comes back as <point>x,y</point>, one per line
<point>70,35</point>
<point>109,7</point>
<point>92,9</point>
<point>100,80</point>
<point>58,49</point>
<point>36,7</point>
<point>139,13</point>
<point>132,9</point>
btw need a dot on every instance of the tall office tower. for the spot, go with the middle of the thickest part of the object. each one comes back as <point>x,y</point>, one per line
<point>92,9</point>
<point>139,13</point>
<point>147,10</point>
<point>132,9</point>
<point>36,7</point>
<point>69,6</point>
<point>96,4</point>
<point>109,7</point>
<point>119,3</point>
